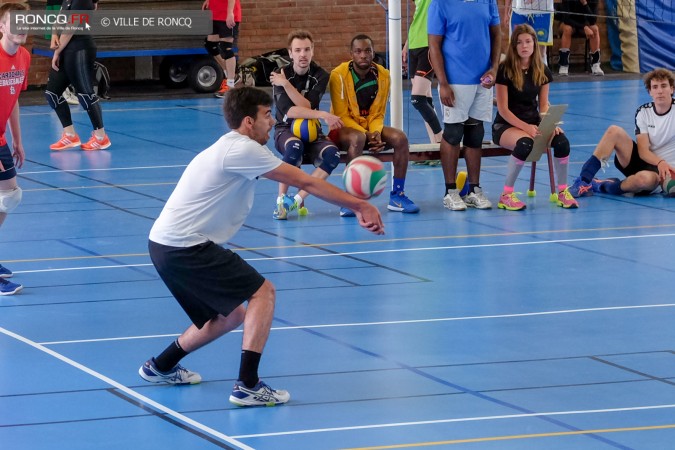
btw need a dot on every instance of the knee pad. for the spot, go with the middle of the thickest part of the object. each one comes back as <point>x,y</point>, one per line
<point>293,150</point>
<point>10,199</point>
<point>453,132</point>
<point>523,148</point>
<point>86,100</point>
<point>426,110</point>
<point>225,49</point>
<point>330,158</point>
<point>561,146</point>
<point>211,47</point>
<point>53,99</point>
<point>473,133</point>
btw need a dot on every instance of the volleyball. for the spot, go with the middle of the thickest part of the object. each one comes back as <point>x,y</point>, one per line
<point>668,187</point>
<point>365,177</point>
<point>306,129</point>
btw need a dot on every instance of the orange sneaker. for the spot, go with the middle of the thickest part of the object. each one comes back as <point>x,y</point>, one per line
<point>223,89</point>
<point>96,144</point>
<point>67,141</point>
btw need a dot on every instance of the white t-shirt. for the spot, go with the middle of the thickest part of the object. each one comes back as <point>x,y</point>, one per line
<point>532,6</point>
<point>659,128</point>
<point>215,193</point>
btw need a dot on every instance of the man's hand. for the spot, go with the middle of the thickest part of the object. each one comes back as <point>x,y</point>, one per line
<point>333,121</point>
<point>664,170</point>
<point>278,79</point>
<point>205,5</point>
<point>230,20</point>
<point>447,95</point>
<point>370,219</point>
<point>374,141</point>
<point>55,60</point>
<point>18,154</point>
<point>54,42</point>
<point>588,31</point>
<point>488,79</point>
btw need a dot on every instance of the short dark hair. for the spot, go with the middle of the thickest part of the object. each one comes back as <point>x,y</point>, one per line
<point>658,74</point>
<point>299,34</point>
<point>243,102</point>
<point>4,7</point>
<point>361,37</point>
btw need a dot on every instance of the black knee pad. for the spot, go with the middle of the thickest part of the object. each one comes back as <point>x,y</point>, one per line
<point>225,49</point>
<point>330,158</point>
<point>54,99</point>
<point>211,47</point>
<point>453,132</point>
<point>523,148</point>
<point>474,132</point>
<point>561,146</point>
<point>86,100</point>
<point>293,150</point>
<point>426,110</point>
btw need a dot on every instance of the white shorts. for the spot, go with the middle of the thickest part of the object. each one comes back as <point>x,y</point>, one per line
<point>471,100</point>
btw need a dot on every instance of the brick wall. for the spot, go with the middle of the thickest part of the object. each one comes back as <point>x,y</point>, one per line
<point>266,23</point>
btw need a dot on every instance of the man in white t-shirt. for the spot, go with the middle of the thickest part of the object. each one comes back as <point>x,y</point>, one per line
<point>647,161</point>
<point>210,203</point>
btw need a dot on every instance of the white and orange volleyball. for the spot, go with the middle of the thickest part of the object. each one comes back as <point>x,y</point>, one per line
<point>365,177</point>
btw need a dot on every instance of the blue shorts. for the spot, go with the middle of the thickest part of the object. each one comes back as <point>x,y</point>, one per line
<point>542,24</point>
<point>7,162</point>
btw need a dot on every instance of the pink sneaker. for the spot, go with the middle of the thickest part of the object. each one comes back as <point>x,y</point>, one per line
<point>566,200</point>
<point>510,202</point>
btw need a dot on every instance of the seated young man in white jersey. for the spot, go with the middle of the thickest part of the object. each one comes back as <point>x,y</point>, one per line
<point>647,161</point>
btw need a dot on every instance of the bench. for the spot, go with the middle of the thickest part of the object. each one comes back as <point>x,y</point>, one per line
<point>424,152</point>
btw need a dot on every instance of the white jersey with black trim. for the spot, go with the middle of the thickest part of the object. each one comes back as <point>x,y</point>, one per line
<point>660,128</point>
<point>215,193</point>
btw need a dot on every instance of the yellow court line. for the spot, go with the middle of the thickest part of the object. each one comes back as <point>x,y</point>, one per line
<point>370,241</point>
<point>519,436</point>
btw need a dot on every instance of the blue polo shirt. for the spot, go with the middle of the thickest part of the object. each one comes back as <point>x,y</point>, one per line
<point>465,27</point>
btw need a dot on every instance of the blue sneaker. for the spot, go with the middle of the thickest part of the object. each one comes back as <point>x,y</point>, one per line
<point>5,272</point>
<point>177,375</point>
<point>400,203</point>
<point>285,204</point>
<point>580,188</point>
<point>260,395</point>
<point>346,212</point>
<point>9,288</point>
<point>596,184</point>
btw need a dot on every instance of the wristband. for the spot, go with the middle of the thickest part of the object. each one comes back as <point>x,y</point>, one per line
<point>657,164</point>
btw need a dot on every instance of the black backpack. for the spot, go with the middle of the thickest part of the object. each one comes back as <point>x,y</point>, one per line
<point>256,71</point>
<point>101,80</point>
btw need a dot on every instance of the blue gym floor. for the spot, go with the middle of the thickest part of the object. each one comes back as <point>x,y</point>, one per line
<point>541,329</point>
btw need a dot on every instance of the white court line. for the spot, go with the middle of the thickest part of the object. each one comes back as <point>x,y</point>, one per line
<point>110,169</point>
<point>175,414</point>
<point>393,322</point>
<point>374,252</point>
<point>462,419</point>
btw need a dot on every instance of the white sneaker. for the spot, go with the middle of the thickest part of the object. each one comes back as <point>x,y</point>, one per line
<point>596,70</point>
<point>177,375</point>
<point>477,199</point>
<point>564,71</point>
<point>453,201</point>
<point>70,96</point>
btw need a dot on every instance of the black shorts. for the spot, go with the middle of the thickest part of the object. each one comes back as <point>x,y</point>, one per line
<point>7,162</point>
<point>206,279</point>
<point>635,165</point>
<point>222,30</point>
<point>419,63</point>
<point>314,149</point>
